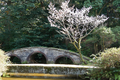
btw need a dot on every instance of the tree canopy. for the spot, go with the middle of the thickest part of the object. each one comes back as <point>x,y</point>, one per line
<point>24,23</point>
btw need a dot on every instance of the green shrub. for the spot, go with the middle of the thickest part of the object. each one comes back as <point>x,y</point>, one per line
<point>3,59</point>
<point>109,58</point>
<point>109,63</point>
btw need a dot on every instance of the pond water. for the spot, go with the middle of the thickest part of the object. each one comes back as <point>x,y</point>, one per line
<point>37,76</point>
<point>34,79</point>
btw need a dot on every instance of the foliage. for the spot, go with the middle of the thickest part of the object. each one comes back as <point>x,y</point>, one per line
<point>87,49</point>
<point>25,62</point>
<point>109,7</point>
<point>100,39</point>
<point>3,59</point>
<point>109,63</point>
<point>109,58</point>
<point>5,75</point>
<point>15,60</point>
<point>74,24</point>
<point>24,23</point>
<point>71,47</point>
<point>64,60</point>
<point>105,74</point>
<point>116,31</point>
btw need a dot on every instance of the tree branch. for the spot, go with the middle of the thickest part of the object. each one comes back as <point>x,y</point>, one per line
<point>104,6</point>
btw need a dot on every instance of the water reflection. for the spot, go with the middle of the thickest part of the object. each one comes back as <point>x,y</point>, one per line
<point>34,79</point>
<point>39,76</point>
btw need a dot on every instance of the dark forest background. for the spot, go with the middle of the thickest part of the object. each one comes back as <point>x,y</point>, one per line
<point>24,23</point>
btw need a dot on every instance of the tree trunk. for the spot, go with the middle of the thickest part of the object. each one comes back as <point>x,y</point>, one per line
<point>79,50</point>
<point>81,57</point>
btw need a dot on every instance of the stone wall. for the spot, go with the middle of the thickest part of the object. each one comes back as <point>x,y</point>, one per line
<point>49,68</point>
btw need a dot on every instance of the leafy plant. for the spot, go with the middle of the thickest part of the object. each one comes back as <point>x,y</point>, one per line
<point>100,39</point>
<point>109,65</point>
<point>3,59</point>
<point>116,31</point>
<point>109,58</point>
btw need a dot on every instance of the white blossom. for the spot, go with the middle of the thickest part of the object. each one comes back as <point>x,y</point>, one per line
<point>74,23</point>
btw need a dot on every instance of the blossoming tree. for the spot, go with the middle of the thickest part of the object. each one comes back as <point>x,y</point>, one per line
<point>73,23</point>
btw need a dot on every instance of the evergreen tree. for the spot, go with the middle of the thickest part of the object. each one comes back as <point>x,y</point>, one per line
<point>24,23</point>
